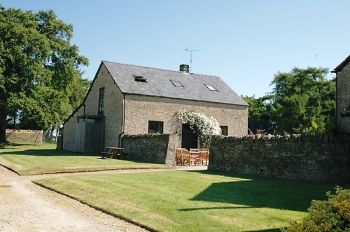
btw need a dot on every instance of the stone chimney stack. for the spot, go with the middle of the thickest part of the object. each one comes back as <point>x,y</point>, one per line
<point>184,68</point>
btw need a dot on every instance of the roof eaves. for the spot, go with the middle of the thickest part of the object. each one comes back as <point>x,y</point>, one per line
<point>188,99</point>
<point>341,65</point>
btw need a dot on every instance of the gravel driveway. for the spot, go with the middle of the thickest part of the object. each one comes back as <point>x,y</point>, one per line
<point>25,206</point>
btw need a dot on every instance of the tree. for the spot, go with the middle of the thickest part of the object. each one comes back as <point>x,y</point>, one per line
<point>303,101</point>
<point>259,112</point>
<point>40,75</point>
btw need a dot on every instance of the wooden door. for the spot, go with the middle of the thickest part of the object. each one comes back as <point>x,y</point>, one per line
<point>189,137</point>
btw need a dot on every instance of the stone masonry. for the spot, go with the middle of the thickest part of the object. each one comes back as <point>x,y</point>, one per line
<point>343,99</point>
<point>319,159</point>
<point>24,136</point>
<point>151,148</point>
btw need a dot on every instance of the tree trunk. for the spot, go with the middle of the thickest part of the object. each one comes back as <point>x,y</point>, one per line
<point>2,126</point>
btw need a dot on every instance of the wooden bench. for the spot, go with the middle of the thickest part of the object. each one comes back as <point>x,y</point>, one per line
<point>113,152</point>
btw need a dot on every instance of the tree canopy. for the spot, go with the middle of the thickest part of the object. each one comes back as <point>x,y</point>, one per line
<point>40,69</point>
<point>302,101</point>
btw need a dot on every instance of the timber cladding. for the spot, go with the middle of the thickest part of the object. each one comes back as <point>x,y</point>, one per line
<point>315,158</point>
<point>24,136</point>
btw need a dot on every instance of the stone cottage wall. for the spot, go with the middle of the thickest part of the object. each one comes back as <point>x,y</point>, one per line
<point>140,109</point>
<point>113,111</point>
<point>24,136</point>
<point>147,147</point>
<point>343,99</point>
<point>319,159</point>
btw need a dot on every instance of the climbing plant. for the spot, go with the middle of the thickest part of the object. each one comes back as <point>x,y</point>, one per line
<point>205,126</point>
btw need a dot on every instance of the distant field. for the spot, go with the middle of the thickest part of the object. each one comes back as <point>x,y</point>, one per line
<point>33,159</point>
<point>193,201</point>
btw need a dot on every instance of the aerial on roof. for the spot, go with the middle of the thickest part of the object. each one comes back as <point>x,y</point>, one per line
<point>164,83</point>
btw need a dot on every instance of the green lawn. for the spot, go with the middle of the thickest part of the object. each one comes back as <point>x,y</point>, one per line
<point>32,159</point>
<point>193,201</point>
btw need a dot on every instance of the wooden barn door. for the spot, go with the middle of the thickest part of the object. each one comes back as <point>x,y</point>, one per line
<point>94,136</point>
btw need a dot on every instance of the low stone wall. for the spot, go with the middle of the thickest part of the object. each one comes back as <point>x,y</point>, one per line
<point>148,147</point>
<point>319,158</point>
<point>24,136</point>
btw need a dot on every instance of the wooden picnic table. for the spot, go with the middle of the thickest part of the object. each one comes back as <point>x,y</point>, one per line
<point>113,152</point>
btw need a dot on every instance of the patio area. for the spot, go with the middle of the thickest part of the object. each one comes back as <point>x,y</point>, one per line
<point>192,157</point>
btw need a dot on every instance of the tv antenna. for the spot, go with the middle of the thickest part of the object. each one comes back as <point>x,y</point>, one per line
<point>189,50</point>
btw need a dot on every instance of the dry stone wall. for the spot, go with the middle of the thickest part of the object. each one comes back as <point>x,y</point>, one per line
<point>317,158</point>
<point>151,148</point>
<point>24,136</point>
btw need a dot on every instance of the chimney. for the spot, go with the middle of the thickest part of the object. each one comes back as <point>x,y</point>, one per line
<point>184,68</point>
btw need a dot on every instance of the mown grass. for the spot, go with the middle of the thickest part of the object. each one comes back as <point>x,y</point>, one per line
<point>193,201</point>
<point>34,159</point>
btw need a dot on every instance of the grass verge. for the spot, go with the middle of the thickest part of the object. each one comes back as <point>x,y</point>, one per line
<point>36,159</point>
<point>193,201</point>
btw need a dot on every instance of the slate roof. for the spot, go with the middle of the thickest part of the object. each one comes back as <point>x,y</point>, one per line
<point>159,84</point>
<point>341,65</point>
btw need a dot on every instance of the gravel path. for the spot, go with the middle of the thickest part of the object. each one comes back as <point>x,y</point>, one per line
<point>25,206</point>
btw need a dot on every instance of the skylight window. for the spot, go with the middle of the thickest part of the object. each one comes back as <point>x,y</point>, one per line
<point>140,78</point>
<point>177,83</point>
<point>210,87</point>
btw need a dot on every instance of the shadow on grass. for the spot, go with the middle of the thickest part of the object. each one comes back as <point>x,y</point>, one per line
<point>267,230</point>
<point>46,152</point>
<point>9,145</point>
<point>208,208</point>
<point>263,192</point>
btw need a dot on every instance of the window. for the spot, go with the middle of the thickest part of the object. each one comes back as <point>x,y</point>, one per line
<point>210,87</point>
<point>140,78</point>
<point>101,96</point>
<point>155,127</point>
<point>224,130</point>
<point>177,83</point>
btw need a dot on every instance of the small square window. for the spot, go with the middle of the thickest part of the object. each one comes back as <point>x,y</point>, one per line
<point>210,87</point>
<point>224,130</point>
<point>177,83</point>
<point>155,127</point>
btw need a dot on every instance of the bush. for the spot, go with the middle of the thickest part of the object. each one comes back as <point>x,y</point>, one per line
<point>330,215</point>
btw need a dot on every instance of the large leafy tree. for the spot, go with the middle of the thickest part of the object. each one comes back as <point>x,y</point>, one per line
<point>303,101</point>
<point>40,77</point>
<point>259,112</point>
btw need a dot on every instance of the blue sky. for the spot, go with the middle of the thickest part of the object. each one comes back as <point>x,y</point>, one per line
<point>244,42</point>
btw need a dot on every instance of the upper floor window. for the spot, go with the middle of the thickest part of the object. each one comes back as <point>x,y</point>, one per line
<point>101,96</point>
<point>155,127</point>
<point>177,83</point>
<point>224,130</point>
<point>211,87</point>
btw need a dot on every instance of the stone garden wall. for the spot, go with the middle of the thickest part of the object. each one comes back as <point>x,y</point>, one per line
<point>318,158</point>
<point>147,147</point>
<point>24,136</point>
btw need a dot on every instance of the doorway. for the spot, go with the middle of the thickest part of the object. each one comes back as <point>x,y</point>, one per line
<point>189,137</point>
<point>89,135</point>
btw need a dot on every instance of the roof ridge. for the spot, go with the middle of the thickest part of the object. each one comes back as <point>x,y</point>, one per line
<point>168,70</point>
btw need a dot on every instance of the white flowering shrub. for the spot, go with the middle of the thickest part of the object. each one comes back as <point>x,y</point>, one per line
<point>205,126</point>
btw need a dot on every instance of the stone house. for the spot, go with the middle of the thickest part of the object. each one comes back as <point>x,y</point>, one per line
<point>343,96</point>
<point>127,99</point>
